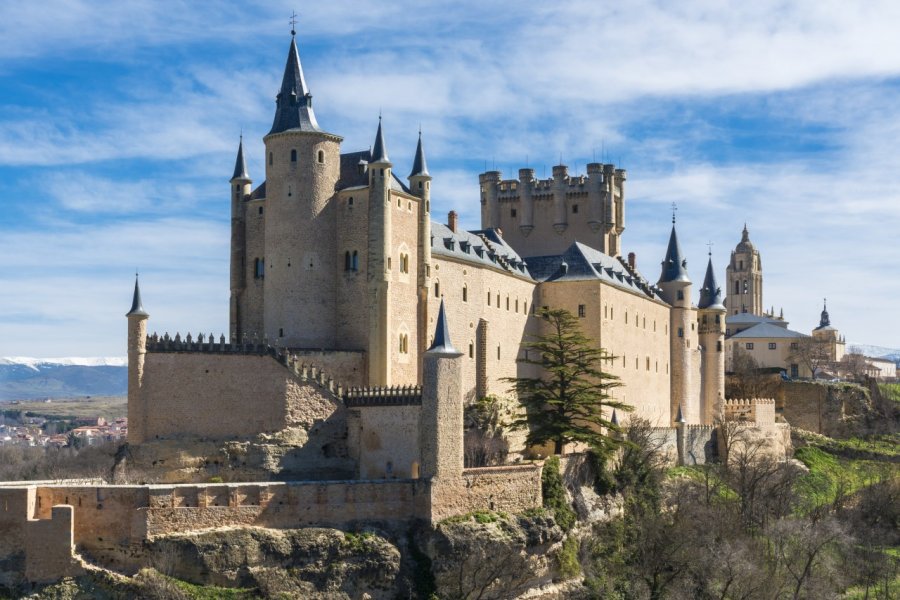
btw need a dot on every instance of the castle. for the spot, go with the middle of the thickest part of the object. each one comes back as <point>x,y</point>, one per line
<point>338,391</point>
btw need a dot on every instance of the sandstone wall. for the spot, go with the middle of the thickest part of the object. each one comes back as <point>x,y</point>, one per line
<point>510,489</point>
<point>634,329</point>
<point>16,507</point>
<point>347,367</point>
<point>225,396</point>
<point>404,298</point>
<point>49,547</point>
<point>250,312</point>
<point>502,301</point>
<point>351,311</point>
<point>384,440</point>
<point>822,408</point>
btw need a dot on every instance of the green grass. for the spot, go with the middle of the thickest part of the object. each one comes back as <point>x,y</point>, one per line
<point>831,474</point>
<point>890,390</point>
<point>211,592</point>
<point>479,516</point>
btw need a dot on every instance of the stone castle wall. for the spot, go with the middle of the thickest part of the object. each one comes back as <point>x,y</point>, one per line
<point>820,407</point>
<point>510,489</point>
<point>384,440</point>
<point>403,304</point>
<point>632,328</point>
<point>224,396</point>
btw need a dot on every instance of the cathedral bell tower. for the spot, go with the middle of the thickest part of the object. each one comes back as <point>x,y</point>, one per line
<point>744,278</point>
<point>302,170</point>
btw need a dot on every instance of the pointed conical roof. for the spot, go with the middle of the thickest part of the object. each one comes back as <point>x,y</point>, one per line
<point>745,245</point>
<point>240,165</point>
<point>825,320</point>
<point>294,102</point>
<point>420,167</point>
<point>674,267</point>
<point>614,419</point>
<point>379,151</point>
<point>137,309</point>
<point>710,293</point>
<point>679,418</point>
<point>441,343</point>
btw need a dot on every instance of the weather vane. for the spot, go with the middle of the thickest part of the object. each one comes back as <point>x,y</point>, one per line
<point>710,245</point>
<point>293,23</point>
<point>674,208</point>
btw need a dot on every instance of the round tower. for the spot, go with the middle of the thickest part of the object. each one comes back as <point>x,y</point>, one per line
<point>711,316</point>
<point>744,284</point>
<point>420,184</point>
<point>240,190</point>
<point>675,289</point>
<point>302,171</point>
<point>137,351</point>
<point>490,199</point>
<point>379,263</point>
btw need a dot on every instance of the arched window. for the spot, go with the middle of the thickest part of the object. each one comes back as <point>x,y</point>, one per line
<point>404,343</point>
<point>354,263</point>
<point>737,287</point>
<point>293,156</point>
<point>427,205</point>
<point>347,262</point>
<point>259,268</point>
<point>350,201</point>
<point>321,157</point>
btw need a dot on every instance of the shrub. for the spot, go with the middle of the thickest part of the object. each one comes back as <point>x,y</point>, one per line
<point>555,494</point>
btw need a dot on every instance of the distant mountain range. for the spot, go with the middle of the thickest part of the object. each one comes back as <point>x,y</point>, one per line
<point>23,378</point>
<point>876,351</point>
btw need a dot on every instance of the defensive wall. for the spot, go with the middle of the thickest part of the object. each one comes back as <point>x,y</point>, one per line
<point>823,408</point>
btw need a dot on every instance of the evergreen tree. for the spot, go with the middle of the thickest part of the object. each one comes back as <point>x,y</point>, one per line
<point>566,402</point>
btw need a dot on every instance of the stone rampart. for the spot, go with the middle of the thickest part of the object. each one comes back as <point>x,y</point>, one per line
<point>759,412</point>
<point>50,547</point>
<point>511,489</point>
<point>823,408</point>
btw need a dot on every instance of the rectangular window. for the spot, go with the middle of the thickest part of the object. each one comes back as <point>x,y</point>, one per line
<point>574,209</point>
<point>749,346</point>
<point>794,345</point>
<point>795,371</point>
<point>512,213</point>
<point>771,345</point>
<point>581,310</point>
<point>680,332</point>
<point>680,295</point>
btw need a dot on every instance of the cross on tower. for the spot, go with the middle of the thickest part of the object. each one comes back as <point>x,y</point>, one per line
<point>674,208</point>
<point>710,245</point>
<point>293,23</point>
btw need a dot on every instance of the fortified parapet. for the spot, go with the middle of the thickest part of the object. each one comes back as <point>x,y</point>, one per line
<point>545,216</point>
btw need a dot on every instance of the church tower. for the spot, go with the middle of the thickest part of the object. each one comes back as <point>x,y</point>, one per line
<point>744,278</point>
<point>712,340</point>
<point>302,170</point>
<point>675,289</point>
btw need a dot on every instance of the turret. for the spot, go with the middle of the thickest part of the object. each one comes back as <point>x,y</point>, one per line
<point>560,206</point>
<point>137,350</point>
<point>420,184</point>
<point>675,286</point>
<point>240,190</point>
<point>302,170</point>
<point>490,199</point>
<point>711,317</point>
<point>441,416</point>
<point>379,262</point>
<point>526,198</point>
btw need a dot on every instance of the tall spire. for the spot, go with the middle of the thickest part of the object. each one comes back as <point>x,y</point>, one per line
<point>379,152</point>
<point>137,309</point>
<point>240,165</point>
<point>710,293</point>
<point>294,102</point>
<point>674,266</point>
<point>441,343</point>
<point>419,166</point>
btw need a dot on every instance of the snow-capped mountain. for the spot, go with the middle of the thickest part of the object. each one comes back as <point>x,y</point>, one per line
<point>876,351</point>
<point>24,378</point>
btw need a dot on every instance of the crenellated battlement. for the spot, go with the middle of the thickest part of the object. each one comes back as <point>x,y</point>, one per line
<point>760,411</point>
<point>410,395</point>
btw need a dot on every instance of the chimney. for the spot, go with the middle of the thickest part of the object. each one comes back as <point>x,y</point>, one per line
<point>632,261</point>
<point>451,220</point>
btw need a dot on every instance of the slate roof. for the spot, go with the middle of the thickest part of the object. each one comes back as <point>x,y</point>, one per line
<point>483,248</point>
<point>710,293</point>
<point>420,167</point>
<point>442,344</point>
<point>379,151</point>
<point>674,266</point>
<point>580,262</point>
<point>240,165</point>
<point>767,330</point>
<point>742,318</point>
<point>293,104</point>
<point>353,176</point>
<point>137,308</point>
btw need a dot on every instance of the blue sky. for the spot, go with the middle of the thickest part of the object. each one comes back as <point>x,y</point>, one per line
<point>119,124</point>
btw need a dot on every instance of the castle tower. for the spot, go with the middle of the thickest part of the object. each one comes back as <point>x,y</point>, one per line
<point>302,170</point>
<point>420,184</point>
<point>490,199</point>
<point>379,263</point>
<point>137,351</point>
<point>240,190</point>
<point>441,417</point>
<point>712,341</point>
<point>675,289</point>
<point>744,278</point>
